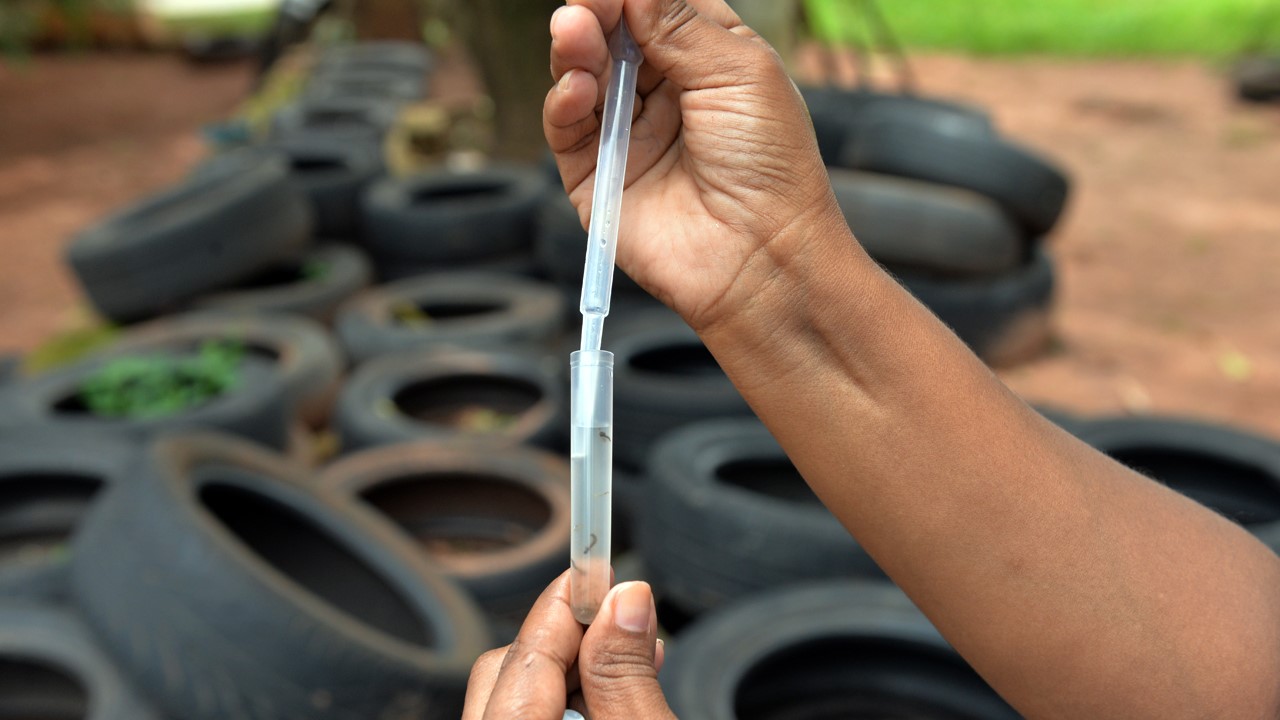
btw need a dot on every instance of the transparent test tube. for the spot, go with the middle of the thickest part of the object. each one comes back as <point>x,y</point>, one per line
<point>591,475</point>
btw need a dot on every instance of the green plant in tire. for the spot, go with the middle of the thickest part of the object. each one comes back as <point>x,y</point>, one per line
<point>410,315</point>
<point>156,386</point>
<point>314,270</point>
<point>484,420</point>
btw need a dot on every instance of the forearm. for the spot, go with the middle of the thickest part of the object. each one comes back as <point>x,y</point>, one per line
<point>1078,588</point>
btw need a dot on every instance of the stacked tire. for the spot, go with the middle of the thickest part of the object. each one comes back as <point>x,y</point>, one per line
<point>199,565</point>
<point>778,614</point>
<point>497,521</point>
<point>844,649</point>
<point>445,219</point>
<point>1257,78</point>
<point>237,217</point>
<point>954,211</point>
<point>1233,472</point>
<point>226,585</point>
<point>193,562</point>
<point>726,516</point>
<point>277,225</point>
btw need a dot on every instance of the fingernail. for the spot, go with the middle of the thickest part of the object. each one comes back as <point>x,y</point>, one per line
<point>563,85</point>
<point>632,607</point>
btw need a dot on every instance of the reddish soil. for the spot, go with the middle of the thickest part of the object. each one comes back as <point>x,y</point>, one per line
<point>1168,255</point>
<point>79,137</point>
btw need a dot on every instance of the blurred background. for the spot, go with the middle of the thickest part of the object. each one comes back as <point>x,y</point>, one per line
<point>1166,255</point>
<point>287,288</point>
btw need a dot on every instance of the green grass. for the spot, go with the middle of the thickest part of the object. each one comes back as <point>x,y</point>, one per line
<point>1202,28</point>
<point>247,23</point>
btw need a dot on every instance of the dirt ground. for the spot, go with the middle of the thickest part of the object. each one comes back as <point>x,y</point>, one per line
<point>1168,257</point>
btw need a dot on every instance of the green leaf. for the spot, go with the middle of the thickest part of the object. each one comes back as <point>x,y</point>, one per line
<point>146,387</point>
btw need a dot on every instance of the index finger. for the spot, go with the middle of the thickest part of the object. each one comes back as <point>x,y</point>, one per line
<point>531,683</point>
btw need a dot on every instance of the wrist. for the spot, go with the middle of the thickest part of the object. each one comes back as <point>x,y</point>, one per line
<point>803,271</point>
<point>785,264</point>
<point>819,318</point>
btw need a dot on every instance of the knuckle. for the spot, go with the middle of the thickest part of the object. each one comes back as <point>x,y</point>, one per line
<point>525,656</point>
<point>761,57</point>
<point>615,666</point>
<point>623,693</point>
<point>675,18</point>
<point>512,651</point>
<point>486,663</point>
<point>767,56</point>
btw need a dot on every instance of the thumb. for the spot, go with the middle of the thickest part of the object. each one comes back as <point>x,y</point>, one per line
<point>688,42</point>
<point>616,662</point>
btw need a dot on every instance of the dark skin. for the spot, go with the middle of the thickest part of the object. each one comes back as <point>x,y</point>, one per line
<point>609,670</point>
<point>1115,597</point>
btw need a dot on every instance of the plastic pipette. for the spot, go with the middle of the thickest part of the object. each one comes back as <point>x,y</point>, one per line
<point>590,368</point>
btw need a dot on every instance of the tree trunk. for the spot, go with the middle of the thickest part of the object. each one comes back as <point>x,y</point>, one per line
<point>387,20</point>
<point>512,46</point>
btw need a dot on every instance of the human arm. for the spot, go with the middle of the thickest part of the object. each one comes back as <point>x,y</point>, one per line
<point>1076,587</point>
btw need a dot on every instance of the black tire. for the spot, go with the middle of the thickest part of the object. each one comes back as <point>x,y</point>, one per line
<point>1257,79</point>
<point>837,115</point>
<point>925,227</point>
<point>222,225</point>
<point>409,58</point>
<point>333,172</point>
<point>353,119</point>
<point>1269,537</point>
<point>452,217</point>
<point>831,650</point>
<point>45,490</point>
<point>727,515</point>
<point>218,50</point>
<point>551,170</point>
<point>628,504</point>
<point>228,588</point>
<point>496,520</point>
<point>1067,420</point>
<point>1030,188</point>
<point>374,84</point>
<point>9,366</point>
<point>473,310</point>
<point>255,408</point>
<point>303,353</point>
<point>454,396</point>
<point>1233,472</point>
<point>53,669</point>
<point>521,263</point>
<point>313,285</point>
<point>664,378</point>
<point>1005,319</point>
<point>288,28</point>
